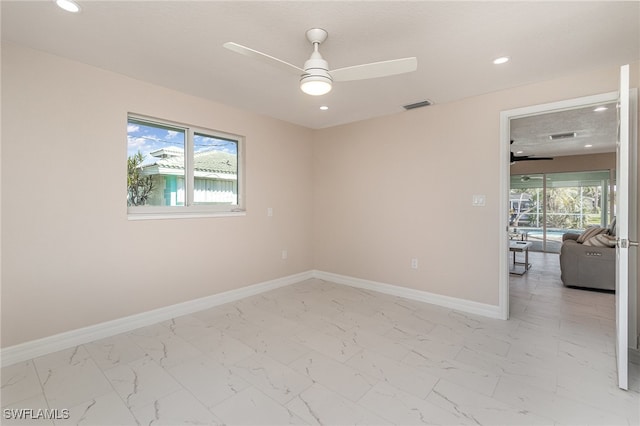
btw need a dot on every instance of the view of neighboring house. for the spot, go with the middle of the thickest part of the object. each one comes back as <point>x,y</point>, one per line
<point>215,177</point>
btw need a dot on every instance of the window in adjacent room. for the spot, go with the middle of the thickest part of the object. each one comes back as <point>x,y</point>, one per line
<point>175,170</point>
<point>545,206</point>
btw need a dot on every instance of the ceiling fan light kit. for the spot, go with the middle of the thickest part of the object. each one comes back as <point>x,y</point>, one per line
<point>315,78</point>
<point>315,85</point>
<point>68,5</point>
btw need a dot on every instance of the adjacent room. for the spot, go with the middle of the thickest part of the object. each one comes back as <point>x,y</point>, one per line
<point>225,212</point>
<point>562,180</point>
<point>563,183</point>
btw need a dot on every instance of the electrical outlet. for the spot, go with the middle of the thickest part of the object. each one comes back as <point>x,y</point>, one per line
<point>285,255</point>
<point>269,211</point>
<point>414,263</point>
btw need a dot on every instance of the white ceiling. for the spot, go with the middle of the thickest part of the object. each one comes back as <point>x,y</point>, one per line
<point>178,44</point>
<point>595,132</point>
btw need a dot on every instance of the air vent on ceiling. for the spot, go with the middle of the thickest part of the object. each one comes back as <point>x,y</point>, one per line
<point>559,136</point>
<point>418,104</point>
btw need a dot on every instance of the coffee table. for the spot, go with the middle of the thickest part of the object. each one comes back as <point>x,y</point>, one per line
<point>519,268</point>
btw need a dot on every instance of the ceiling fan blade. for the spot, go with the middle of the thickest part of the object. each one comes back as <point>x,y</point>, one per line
<point>536,158</point>
<point>514,158</point>
<point>375,69</point>
<point>527,158</point>
<point>243,50</point>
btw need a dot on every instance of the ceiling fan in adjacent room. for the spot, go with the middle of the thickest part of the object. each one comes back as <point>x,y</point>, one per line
<point>316,78</point>
<point>515,158</point>
<point>527,178</point>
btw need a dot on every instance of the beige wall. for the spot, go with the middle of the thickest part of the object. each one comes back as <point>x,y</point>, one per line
<point>70,256</point>
<point>360,199</point>
<point>573,163</point>
<point>401,186</point>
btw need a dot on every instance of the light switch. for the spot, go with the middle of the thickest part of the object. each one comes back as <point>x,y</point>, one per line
<point>478,200</point>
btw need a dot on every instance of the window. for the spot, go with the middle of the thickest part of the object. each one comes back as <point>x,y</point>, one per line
<point>547,205</point>
<point>175,170</point>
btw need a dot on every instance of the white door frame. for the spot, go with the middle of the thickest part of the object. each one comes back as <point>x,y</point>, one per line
<point>505,148</point>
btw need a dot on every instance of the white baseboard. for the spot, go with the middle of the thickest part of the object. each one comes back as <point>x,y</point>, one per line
<point>35,348</point>
<point>491,311</point>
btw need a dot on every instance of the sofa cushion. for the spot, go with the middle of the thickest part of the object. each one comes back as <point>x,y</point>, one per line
<point>592,231</point>
<point>601,240</point>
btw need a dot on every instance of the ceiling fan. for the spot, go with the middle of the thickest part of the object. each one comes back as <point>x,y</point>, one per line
<point>526,178</point>
<point>316,78</point>
<point>514,158</point>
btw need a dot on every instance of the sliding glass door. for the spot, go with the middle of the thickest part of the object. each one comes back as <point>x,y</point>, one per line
<point>545,206</point>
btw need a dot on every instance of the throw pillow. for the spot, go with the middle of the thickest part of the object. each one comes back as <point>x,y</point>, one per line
<point>601,240</point>
<point>590,232</point>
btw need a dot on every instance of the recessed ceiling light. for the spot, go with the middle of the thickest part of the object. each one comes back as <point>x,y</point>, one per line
<point>600,109</point>
<point>588,146</point>
<point>68,5</point>
<point>501,60</point>
<point>324,107</point>
<point>519,152</point>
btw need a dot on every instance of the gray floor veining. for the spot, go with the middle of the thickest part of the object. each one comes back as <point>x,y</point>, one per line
<point>323,353</point>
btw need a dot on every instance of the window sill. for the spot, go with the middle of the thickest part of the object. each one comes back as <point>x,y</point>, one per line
<point>184,215</point>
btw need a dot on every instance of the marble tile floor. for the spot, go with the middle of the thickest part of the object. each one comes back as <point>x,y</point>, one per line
<point>323,353</point>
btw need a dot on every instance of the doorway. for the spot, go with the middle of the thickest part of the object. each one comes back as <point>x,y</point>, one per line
<point>527,117</point>
<point>630,170</point>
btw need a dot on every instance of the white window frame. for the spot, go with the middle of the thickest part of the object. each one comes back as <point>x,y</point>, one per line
<point>191,209</point>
